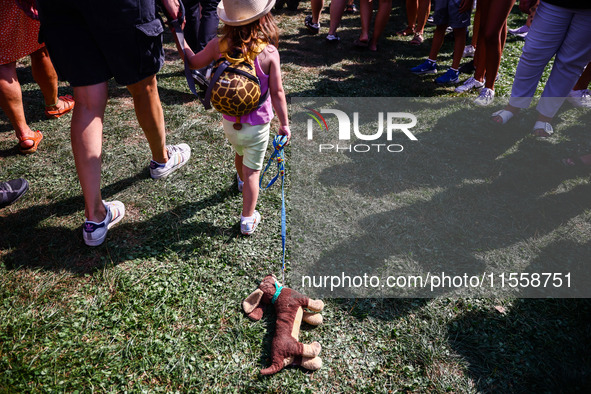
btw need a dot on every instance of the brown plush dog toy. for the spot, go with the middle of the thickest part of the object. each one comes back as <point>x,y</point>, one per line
<point>289,306</point>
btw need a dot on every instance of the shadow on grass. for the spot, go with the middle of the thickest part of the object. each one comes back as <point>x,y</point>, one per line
<point>538,346</point>
<point>29,244</point>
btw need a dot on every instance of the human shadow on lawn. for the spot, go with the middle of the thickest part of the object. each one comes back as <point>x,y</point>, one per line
<point>57,248</point>
<point>475,191</point>
<point>539,345</point>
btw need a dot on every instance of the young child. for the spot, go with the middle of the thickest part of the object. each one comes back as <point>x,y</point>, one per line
<point>456,14</point>
<point>249,27</point>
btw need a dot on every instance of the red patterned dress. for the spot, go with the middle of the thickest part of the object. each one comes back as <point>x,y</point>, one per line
<point>18,33</point>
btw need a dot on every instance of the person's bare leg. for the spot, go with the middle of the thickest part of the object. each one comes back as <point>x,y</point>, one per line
<point>238,164</point>
<point>365,13</point>
<point>250,191</point>
<point>476,25</point>
<point>422,15</point>
<point>411,14</point>
<point>438,37</point>
<point>337,8</point>
<point>480,59</point>
<point>382,18</point>
<point>459,44</point>
<point>11,102</point>
<point>87,134</point>
<point>492,31</point>
<point>317,6</point>
<point>584,79</point>
<point>148,110</point>
<point>46,77</point>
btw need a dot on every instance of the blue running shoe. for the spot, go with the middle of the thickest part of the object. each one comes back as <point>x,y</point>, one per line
<point>427,67</point>
<point>450,76</point>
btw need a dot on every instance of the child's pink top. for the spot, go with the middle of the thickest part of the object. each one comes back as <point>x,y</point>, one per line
<point>264,113</point>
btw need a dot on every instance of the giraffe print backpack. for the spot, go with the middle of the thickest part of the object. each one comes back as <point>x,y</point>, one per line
<point>234,88</point>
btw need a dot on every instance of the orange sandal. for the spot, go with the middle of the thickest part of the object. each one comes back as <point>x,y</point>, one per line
<point>56,113</point>
<point>32,149</point>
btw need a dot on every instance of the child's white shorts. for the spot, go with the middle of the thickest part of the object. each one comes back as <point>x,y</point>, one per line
<point>249,142</point>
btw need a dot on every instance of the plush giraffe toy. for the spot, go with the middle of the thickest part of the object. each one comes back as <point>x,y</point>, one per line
<point>289,306</point>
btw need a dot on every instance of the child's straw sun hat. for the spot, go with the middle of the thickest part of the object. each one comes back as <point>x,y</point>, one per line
<point>242,12</point>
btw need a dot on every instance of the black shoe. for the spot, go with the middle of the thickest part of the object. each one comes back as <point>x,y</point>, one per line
<point>467,68</point>
<point>313,28</point>
<point>12,190</point>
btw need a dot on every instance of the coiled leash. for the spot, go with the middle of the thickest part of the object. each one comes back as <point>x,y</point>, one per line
<point>278,156</point>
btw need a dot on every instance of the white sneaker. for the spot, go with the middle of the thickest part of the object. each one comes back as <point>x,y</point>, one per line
<point>469,84</point>
<point>240,183</point>
<point>468,51</point>
<point>249,224</point>
<point>580,98</point>
<point>178,156</point>
<point>95,233</point>
<point>485,97</point>
<point>520,32</point>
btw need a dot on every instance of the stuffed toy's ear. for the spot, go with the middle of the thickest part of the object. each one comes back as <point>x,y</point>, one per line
<point>251,305</point>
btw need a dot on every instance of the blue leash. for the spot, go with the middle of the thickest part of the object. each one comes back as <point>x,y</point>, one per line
<point>279,157</point>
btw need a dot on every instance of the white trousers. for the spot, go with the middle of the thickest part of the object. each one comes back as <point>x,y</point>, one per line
<point>558,31</point>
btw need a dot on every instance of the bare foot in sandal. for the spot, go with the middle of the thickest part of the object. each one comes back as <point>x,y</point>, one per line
<point>504,115</point>
<point>542,127</point>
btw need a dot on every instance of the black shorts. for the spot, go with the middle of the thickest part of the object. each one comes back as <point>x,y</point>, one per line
<point>91,41</point>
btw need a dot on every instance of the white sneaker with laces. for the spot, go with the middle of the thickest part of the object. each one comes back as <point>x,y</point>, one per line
<point>178,156</point>
<point>468,51</point>
<point>469,84</point>
<point>485,97</point>
<point>95,233</point>
<point>249,224</point>
<point>580,98</point>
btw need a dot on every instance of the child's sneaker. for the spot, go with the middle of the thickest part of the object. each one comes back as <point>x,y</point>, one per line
<point>450,76</point>
<point>427,67</point>
<point>313,28</point>
<point>485,97</point>
<point>178,156</point>
<point>95,233</point>
<point>240,183</point>
<point>469,84</point>
<point>249,224</point>
<point>333,38</point>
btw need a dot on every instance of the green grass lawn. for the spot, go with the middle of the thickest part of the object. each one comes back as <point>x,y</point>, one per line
<point>157,308</point>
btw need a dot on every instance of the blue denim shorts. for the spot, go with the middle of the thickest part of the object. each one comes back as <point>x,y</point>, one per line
<point>90,42</point>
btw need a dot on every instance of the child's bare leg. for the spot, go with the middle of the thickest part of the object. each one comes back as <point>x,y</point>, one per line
<point>459,44</point>
<point>365,12</point>
<point>250,191</point>
<point>317,6</point>
<point>238,165</point>
<point>337,8</point>
<point>438,37</point>
<point>380,23</point>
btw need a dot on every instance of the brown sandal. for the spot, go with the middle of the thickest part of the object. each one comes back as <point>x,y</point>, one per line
<point>31,149</point>
<point>56,113</point>
<point>417,39</point>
